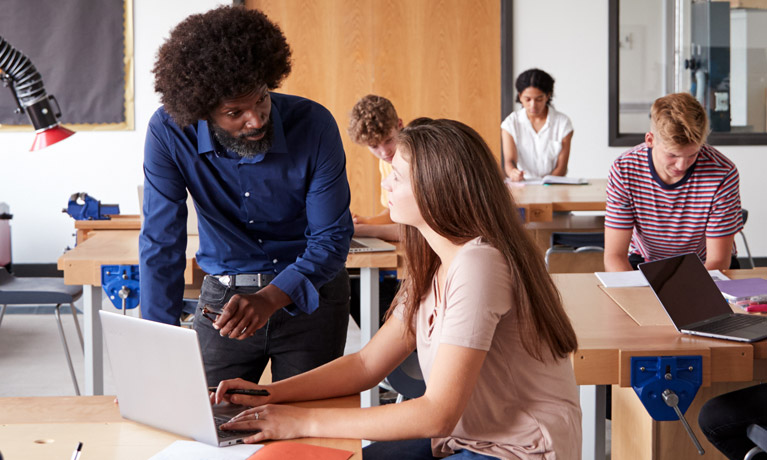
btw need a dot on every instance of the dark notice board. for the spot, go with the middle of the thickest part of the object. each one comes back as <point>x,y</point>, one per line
<point>80,47</point>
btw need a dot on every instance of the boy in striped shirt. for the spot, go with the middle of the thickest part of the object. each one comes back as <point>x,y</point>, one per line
<point>673,194</point>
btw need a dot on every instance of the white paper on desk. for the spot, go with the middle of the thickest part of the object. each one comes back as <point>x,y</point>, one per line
<point>522,183</point>
<point>635,278</point>
<point>622,279</point>
<point>193,450</point>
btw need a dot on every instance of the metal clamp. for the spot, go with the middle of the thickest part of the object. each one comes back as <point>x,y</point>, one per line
<point>121,284</point>
<point>666,386</point>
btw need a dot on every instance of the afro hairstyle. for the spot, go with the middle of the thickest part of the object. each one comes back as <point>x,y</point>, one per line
<point>221,54</point>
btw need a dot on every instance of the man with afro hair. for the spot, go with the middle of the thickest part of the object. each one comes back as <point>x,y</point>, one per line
<point>267,174</point>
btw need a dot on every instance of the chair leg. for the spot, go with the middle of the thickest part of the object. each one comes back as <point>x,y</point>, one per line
<point>748,250</point>
<point>66,349</point>
<point>2,313</point>
<point>77,326</point>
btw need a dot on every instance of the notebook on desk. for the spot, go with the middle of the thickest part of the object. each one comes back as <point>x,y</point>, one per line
<point>359,245</point>
<point>160,379</point>
<point>695,304</point>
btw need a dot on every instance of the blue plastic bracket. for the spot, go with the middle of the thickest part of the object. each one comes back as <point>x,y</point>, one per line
<point>651,375</point>
<point>116,278</point>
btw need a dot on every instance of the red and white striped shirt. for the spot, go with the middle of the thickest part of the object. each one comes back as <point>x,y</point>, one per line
<point>674,219</point>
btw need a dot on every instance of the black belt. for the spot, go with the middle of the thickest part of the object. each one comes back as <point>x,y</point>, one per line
<point>246,279</point>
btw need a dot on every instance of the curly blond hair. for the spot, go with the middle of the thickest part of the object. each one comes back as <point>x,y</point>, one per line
<point>372,120</point>
<point>679,120</point>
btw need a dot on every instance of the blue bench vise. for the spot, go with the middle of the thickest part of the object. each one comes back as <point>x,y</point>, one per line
<point>83,207</point>
<point>121,284</point>
<point>666,386</point>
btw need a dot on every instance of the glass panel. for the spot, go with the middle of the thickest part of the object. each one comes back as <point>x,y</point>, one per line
<point>716,50</point>
<point>748,70</point>
<point>643,64</point>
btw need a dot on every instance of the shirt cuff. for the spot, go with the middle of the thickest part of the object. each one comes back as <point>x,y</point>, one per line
<point>301,291</point>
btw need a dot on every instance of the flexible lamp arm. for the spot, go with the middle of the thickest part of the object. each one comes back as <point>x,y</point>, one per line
<point>26,84</point>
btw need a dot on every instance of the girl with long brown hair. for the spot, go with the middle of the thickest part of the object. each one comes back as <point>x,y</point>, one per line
<point>492,337</point>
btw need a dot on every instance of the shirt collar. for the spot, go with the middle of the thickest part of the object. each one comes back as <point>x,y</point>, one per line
<point>206,143</point>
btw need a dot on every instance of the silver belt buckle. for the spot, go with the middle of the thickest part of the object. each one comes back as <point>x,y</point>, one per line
<point>226,280</point>
<point>260,279</point>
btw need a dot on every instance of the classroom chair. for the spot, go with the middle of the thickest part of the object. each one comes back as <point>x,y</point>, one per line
<point>407,379</point>
<point>744,216</point>
<point>757,434</point>
<point>42,291</point>
<point>574,252</point>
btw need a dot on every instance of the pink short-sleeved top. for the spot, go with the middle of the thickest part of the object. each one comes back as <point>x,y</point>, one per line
<point>520,408</point>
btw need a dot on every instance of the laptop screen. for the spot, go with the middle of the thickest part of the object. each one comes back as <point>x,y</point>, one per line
<point>685,289</point>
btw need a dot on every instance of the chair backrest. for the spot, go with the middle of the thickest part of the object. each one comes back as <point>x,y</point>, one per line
<point>407,379</point>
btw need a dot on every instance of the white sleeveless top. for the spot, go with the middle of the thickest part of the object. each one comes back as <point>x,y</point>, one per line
<point>537,152</point>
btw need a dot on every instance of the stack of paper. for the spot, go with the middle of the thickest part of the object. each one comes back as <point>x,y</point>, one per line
<point>562,180</point>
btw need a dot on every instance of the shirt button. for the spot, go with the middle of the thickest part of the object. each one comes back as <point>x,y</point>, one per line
<point>247,194</point>
<point>250,222</point>
<point>259,240</point>
<point>274,261</point>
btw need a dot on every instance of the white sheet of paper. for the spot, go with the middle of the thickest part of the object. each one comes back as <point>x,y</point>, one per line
<point>635,278</point>
<point>193,450</point>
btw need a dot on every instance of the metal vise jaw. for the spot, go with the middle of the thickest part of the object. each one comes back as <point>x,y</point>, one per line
<point>666,386</point>
<point>121,284</point>
<point>83,207</point>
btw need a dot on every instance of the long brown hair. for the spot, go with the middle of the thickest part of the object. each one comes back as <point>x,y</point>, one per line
<point>460,193</point>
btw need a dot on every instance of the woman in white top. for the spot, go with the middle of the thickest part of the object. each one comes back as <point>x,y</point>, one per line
<point>492,337</point>
<point>536,138</point>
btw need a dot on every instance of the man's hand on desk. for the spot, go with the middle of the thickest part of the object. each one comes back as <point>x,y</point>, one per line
<point>244,314</point>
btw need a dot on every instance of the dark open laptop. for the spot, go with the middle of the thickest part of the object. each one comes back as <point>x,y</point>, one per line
<point>694,303</point>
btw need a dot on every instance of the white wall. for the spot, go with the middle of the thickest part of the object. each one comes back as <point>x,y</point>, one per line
<point>106,165</point>
<point>569,40</point>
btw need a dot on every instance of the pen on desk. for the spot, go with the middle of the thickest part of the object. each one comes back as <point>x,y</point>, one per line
<point>240,391</point>
<point>76,453</point>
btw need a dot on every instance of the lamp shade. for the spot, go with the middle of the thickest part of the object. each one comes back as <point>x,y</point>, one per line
<point>50,136</point>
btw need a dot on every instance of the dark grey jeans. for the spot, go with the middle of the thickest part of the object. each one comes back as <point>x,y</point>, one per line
<point>295,344</point>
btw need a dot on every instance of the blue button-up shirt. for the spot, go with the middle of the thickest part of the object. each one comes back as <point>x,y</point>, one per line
<point>285,211</point>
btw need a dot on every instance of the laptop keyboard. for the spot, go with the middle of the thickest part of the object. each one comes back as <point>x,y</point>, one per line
<point>227,433</point>
<point>356,245</point>
<point>730,324</point>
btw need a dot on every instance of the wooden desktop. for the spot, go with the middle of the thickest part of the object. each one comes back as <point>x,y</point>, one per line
<point>51,427</point>
<point>542,201</point>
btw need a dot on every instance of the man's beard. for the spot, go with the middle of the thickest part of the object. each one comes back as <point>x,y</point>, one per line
<point>241,145</point>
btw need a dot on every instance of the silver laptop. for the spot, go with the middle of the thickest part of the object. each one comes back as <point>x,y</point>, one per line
<point>359,244</point>
<point>160,379</point>
<point>694,303</point>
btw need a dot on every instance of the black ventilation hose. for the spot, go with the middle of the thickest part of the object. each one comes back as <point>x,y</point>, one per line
<point>27,86</point>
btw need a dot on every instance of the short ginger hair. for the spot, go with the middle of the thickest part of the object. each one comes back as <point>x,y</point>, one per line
<point>221,54</point>
<point>679,119</point>
<point>371,120</point>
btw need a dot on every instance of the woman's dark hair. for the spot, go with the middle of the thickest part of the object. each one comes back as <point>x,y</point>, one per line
<point>221,54</point>
<point>449,159</point>
<point>536,78</point>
